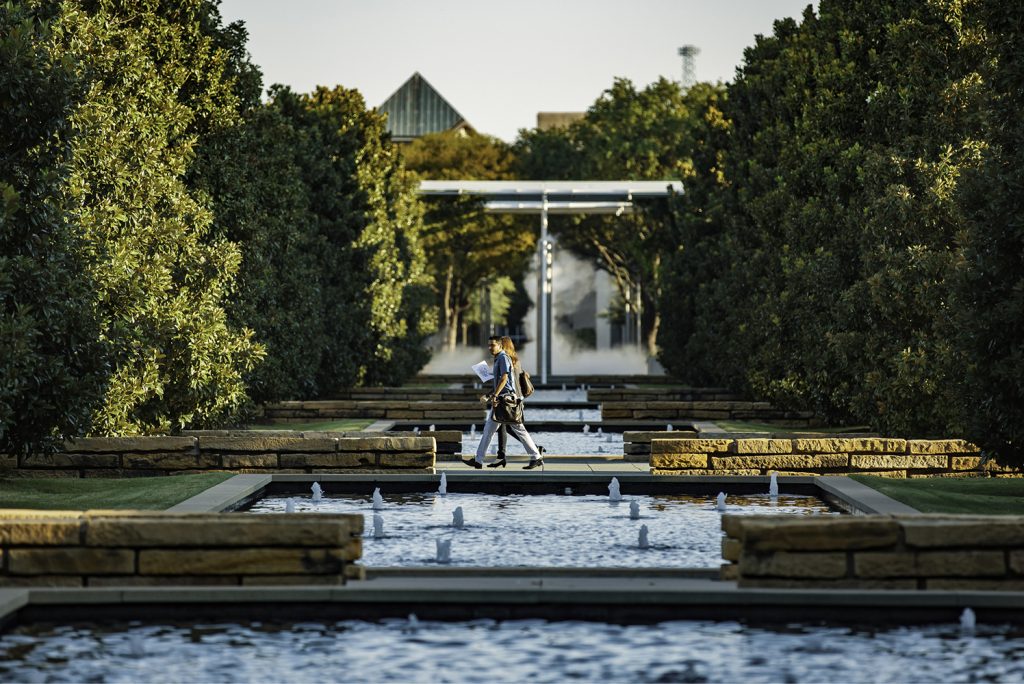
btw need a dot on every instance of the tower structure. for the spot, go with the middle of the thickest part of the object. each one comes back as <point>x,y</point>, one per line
<point>689,54</point>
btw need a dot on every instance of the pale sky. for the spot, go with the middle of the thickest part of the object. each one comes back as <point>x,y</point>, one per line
<point>499,64</point>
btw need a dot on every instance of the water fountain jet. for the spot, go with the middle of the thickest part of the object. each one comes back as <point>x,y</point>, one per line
<point>614,494</point>
<point>967,622</point>
<point>642,542</point>
<point>773,486</point>
<point>634,510</point>
<point>289,506</point>
<point>318,492</point>
<point>378,526</point>
<point>378,500</point>
<point>721,502</point>
<point>458,520</point>
<point>444,550</point>
<point>442,489</point>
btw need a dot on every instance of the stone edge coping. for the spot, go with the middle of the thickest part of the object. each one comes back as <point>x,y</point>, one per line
<point>229,494</point>
<point>224,496</point>
<point>482,590</point>
<point>860,497</point>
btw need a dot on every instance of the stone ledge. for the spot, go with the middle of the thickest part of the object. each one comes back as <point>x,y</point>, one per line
<point>131,444</point>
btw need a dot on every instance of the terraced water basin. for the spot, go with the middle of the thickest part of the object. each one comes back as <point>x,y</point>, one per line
<point>409,650</point>
<point>550,530</point>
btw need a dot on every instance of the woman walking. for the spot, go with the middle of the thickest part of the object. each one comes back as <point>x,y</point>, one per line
<point>507,401</point>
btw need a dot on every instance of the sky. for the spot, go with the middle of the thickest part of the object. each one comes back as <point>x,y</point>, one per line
<point>498,64</point>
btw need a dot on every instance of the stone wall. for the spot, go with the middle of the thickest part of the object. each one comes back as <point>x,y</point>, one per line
<point>446,442</point>
<point>457,408</point>
<point>875,552</point>
<point>661,393</point>
<point>139,548</point>
<point>250,453</point>
<point>822,456</point>
<point>636,445</point>
<point>653,403</point>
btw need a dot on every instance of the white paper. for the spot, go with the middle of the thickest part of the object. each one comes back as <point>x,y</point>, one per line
<point>483,371</point>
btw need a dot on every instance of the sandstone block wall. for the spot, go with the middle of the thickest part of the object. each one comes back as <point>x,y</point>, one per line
<point>669,404</point>
<point>454,408</point>
<point>875,552</point>
<point>141,548</point>
<point>822,456</point>
<point>244,453</point>
<point>445,441</point>
<point>636,445</point>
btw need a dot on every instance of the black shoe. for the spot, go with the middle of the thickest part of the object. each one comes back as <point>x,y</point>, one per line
<point>473,463</point>
<point>500,463</point>
<point>534,464</point>
<point>542,450</point>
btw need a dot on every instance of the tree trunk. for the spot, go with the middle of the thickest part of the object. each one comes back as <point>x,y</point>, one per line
<point>652,335</point>
<point>451,332</point>
<point>448,325</point>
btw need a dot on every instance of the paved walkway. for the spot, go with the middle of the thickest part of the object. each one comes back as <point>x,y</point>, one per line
<point>555,464</point>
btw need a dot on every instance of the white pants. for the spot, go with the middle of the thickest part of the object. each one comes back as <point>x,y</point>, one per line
<point>517,430</point>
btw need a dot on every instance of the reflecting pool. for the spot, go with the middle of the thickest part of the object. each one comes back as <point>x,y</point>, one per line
<point>510,530</point>
<point>409,650</point>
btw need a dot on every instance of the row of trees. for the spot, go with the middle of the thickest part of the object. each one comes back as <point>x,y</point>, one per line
<point>851,239</point>
<point>171,248</point>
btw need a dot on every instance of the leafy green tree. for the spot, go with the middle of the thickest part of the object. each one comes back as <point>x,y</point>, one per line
<point>247,166</point>
<point>822,232</point>
<point>467,249</point>
<point>160,282</point>
<point>52,367</point>
<point>627,134</point>
<point>990,295</point>
<point>368,225</point>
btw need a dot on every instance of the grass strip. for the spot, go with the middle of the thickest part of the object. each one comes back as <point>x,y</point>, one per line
<point>983,496</point>
<point>74,494</point>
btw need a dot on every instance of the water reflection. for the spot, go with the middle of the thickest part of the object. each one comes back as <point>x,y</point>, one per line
<point>411,650</point>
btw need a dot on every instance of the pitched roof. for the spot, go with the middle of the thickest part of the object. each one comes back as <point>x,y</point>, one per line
<point>416,109</point>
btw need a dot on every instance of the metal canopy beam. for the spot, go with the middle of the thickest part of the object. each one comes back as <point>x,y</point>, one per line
<point>551,197</point>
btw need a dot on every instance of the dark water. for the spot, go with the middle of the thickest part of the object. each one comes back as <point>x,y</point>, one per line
<point>516,651</point>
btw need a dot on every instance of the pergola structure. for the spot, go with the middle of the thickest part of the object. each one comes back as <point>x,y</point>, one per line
<point>551,197</point>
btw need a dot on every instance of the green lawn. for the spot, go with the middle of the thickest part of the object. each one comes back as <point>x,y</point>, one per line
<point>73,494</point>
<point>340,425</point>
<point>991,496</point>
<point>746,426</point>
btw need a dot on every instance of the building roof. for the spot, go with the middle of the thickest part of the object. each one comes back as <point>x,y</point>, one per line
<point>416,109</point>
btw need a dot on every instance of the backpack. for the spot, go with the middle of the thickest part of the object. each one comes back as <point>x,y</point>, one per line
<point>525,384</point>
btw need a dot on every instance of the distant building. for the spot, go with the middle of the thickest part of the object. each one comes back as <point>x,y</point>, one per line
<point>549,120</point>
<point>417,109</point>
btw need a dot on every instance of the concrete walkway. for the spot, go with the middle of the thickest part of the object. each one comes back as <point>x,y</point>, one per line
<point>554,464</point>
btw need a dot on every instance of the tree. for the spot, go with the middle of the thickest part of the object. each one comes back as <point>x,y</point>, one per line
<point>52,367</point>
<point>467,249</point>
<point>990,294</point>
<point>159,283</point>
<point>628,134</point>
<point>827,215</point>
<point>368,225</point>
